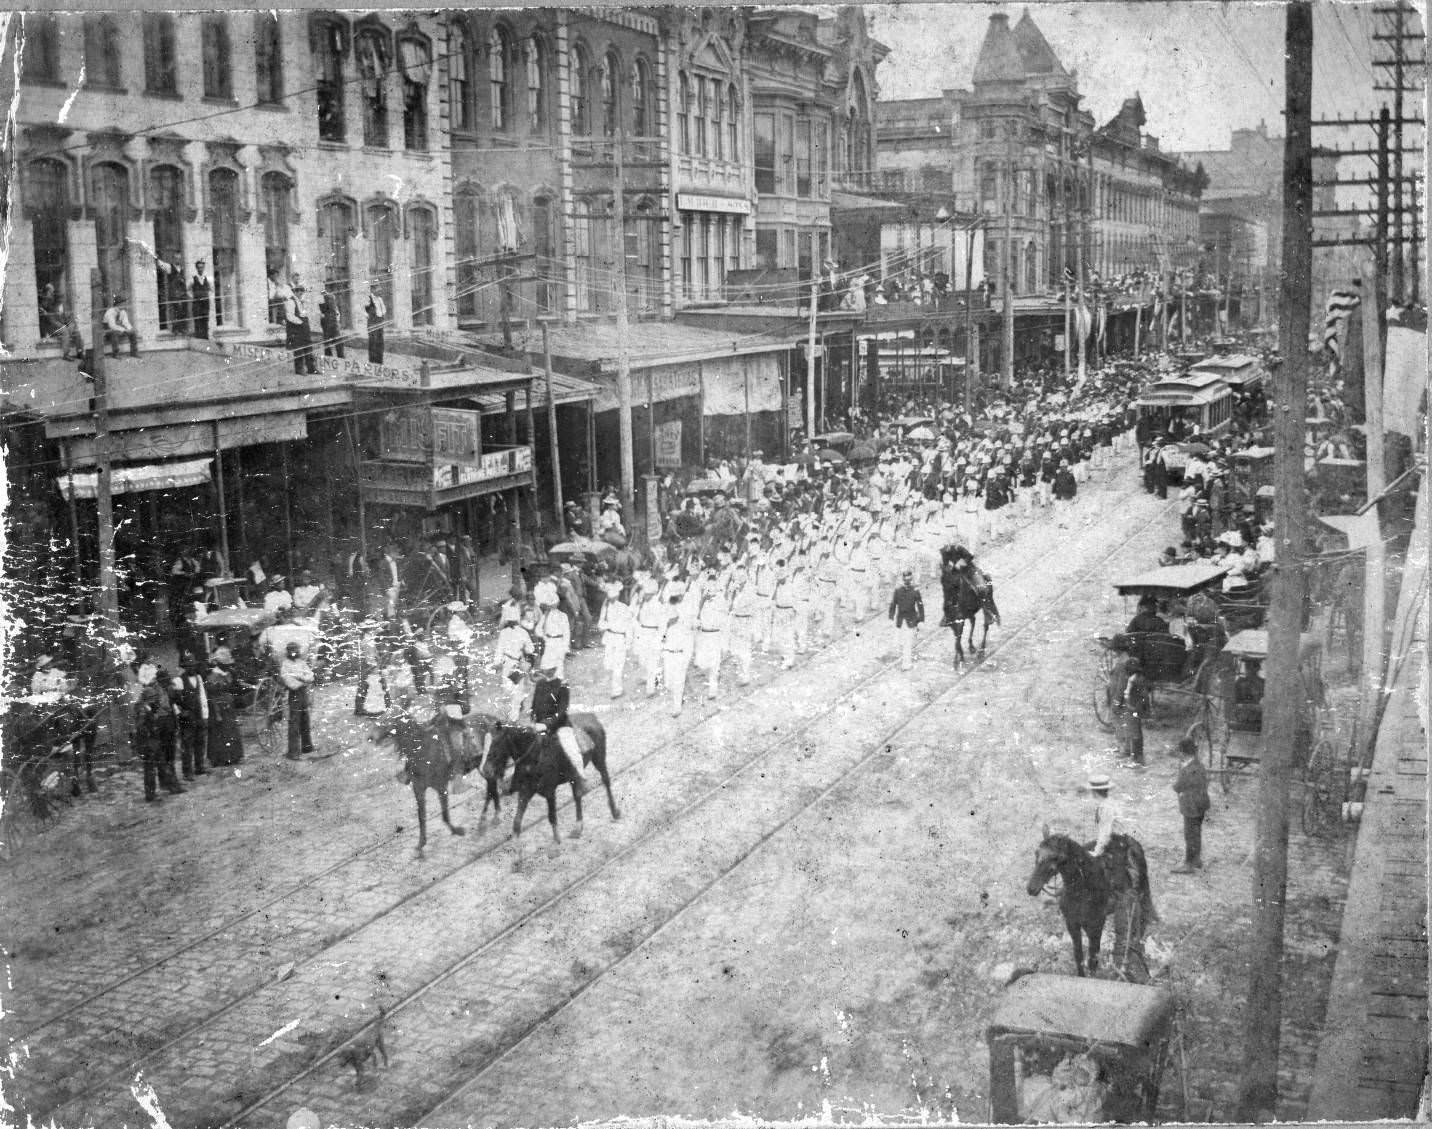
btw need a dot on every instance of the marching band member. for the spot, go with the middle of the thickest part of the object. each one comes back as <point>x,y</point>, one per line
<point>677,644</point>
<point>616,623</point>
<point>711,620</point>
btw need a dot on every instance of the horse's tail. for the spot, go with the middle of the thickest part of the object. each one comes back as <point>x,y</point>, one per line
<point>1139,872</point>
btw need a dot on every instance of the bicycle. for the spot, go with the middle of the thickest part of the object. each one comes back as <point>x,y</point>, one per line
<point>266,711</point>
<point>33,792</point>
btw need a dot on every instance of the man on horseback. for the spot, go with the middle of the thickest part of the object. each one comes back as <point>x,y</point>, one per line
<point>1126,868</point>
<point>550,698</point>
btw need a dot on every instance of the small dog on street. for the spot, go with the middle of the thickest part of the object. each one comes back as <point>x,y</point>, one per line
<point>366,1051</point>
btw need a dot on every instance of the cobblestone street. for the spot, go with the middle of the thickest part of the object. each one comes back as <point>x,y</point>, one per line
<point>802,908</point>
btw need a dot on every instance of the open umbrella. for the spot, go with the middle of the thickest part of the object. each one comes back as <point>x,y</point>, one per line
<point>826,455</point>
<point>830,438</point>
<point>704,486</point>
<point>920,433</point>
<point>861,451</point>
<point>804,459</point>
<point>1199,449</point>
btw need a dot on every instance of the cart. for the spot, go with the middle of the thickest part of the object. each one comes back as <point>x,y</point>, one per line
<point>259,702</point>
<point>1235,693</point>
<point>1174,671</point>
<point>1077,1049</point>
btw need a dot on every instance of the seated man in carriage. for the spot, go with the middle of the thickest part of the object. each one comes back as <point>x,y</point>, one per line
<point>1147,620</point>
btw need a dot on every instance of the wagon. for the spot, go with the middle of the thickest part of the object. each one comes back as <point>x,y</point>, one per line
<point>1235,694</point>
<point>1174,671</point>
<point>1077,1049</point>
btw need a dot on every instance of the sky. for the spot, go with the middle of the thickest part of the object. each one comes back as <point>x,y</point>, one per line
<point>1202,69</point>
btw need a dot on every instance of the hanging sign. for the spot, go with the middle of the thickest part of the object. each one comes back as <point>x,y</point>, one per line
<point>668,444</point>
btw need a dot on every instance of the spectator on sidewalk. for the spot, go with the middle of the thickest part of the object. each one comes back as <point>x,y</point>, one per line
<point>907,609</point>
<point>1193,804</point>
<point>297,677</point>
<point>1132,709</point>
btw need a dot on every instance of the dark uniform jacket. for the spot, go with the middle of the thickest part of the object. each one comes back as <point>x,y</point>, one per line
<point>550,698</point>
<point>907,607</point>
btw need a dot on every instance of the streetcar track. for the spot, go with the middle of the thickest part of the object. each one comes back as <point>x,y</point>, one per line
<point>485,852</point>
<point>878,746</point>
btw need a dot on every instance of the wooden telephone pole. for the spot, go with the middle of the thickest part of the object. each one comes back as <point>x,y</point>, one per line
<point>108,606</point>
<point>628,458</point>
<point>1258,1084</point>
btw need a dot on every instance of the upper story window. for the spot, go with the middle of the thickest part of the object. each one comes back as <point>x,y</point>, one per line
<point>371,48</point>
<point>459,85</point>
<point>499,77</point>
<point>161,63</point>
<point>42,49</point>
<point>109,200</point>
<point>102,57</point>
<point>416,60</point>
<point>611,83</point>
<point>581,95</point>
<point>699,114</point>
<point>268,58</point>
<point>805,151</point>
<point>765,152</point>
<point>47,202</point>
<point>683,114</point>
<point>329,50</point>
<point>536,84</point>
<point>641,110</point>
<point>218,73</point>
<point>733,124</point>
<point>716,103</point>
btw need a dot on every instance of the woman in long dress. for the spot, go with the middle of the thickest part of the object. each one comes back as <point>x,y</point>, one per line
<point>226,746</point>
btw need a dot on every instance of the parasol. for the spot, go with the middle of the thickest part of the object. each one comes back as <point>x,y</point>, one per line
<point>826,455</point>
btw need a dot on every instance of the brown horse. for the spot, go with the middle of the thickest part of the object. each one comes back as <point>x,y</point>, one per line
<point>432,753</point>
<point>964,601</point>
<point>540,767</point>
<point>1094,889</point>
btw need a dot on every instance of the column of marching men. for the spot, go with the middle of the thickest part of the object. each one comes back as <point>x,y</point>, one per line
<point>827,557</point>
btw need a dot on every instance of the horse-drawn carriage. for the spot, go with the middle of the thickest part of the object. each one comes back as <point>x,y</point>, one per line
<point>1174,670</point>
<point>1064,1050</point>
<point>1235,693</point>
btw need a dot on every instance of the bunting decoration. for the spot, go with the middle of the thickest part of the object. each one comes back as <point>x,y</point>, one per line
<point>1341,304</point>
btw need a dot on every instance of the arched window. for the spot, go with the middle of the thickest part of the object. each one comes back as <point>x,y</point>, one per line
<point>641,112</point>
<point>224,223</point>
<point>733,125</point>
<point>422,242</point>
<point>372,50</point>
<point>268,58</point>
<point>581,95</point>
<point>536,85</point>
<point>109,201</point>
<point>499,77</point>
<point>611,85</point>
<point>850,140</point>
<point>47,204</point>
<point>42,48</point>
<point>218,56</point>
<point>329,49</point>
<point>102,56</point>
<point>161,63</point>
<point>335,233</point>
<point>166,204</point>
<point>862,154</point>
<point>415,59</point>
<point>274,193</point>
<point>381,222</point>
<point>459,87</point>
<point>683,114</point>
<point>465,213</point>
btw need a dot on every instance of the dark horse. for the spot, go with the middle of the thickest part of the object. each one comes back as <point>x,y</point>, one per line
<point>1094,889</point>
<point>540,767</point>
<point>433,753</point>
<point>965,598</point>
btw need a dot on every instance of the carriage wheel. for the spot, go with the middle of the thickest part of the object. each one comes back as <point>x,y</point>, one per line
<point>1318,814</point>
<point>436,630</point>
<point>1104,706</point>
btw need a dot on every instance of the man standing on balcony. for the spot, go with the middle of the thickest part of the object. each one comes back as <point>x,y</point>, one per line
<point>201,289</point>
<point>299,333</point>
<point>377,311</point>
<point>328,324</point>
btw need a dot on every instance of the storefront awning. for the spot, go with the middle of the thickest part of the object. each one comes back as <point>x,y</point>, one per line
<point>136,479</point>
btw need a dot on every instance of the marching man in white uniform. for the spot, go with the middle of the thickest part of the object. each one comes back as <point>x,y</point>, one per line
<point>616,623</point>
<point>711,633</point>
<point>676,646</point>
<point>556,630</point>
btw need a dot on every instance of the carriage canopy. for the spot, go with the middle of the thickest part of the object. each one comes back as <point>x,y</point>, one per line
<point>1107,1011</point>
<point>1173,580</point>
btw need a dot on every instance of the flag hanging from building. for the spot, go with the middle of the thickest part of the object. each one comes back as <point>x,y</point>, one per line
<point>1341,304</point>
<point>1103,322</point>
<point>1083,323</point>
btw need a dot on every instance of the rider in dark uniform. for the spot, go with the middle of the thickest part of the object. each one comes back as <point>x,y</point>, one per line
<point>550,699</point>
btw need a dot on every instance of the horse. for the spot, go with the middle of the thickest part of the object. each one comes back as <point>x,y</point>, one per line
<point>431,758</point>
<point>540,767</point>
<point>1093,889</point>
<point>964,600</point>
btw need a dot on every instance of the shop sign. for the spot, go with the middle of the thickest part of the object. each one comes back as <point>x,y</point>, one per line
<point>694,202</point>
<point>668,444</point>
<point>405,435</point>
<point>363,372</point>
<point>457,436</point>
<point>440,436</point>
<point>489,467</point>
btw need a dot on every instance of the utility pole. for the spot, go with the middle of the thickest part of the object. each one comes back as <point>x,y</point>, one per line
<point>1374,590</point>
<point>970,351</point>
<point>1084,312</point>
<point>624,347</point>
<point>104,503</point>
<point>552,422</point>
<point>810,365</point>
<point>1064,251</point>
<point>1258,1084</point>
<point>1006,367</point>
